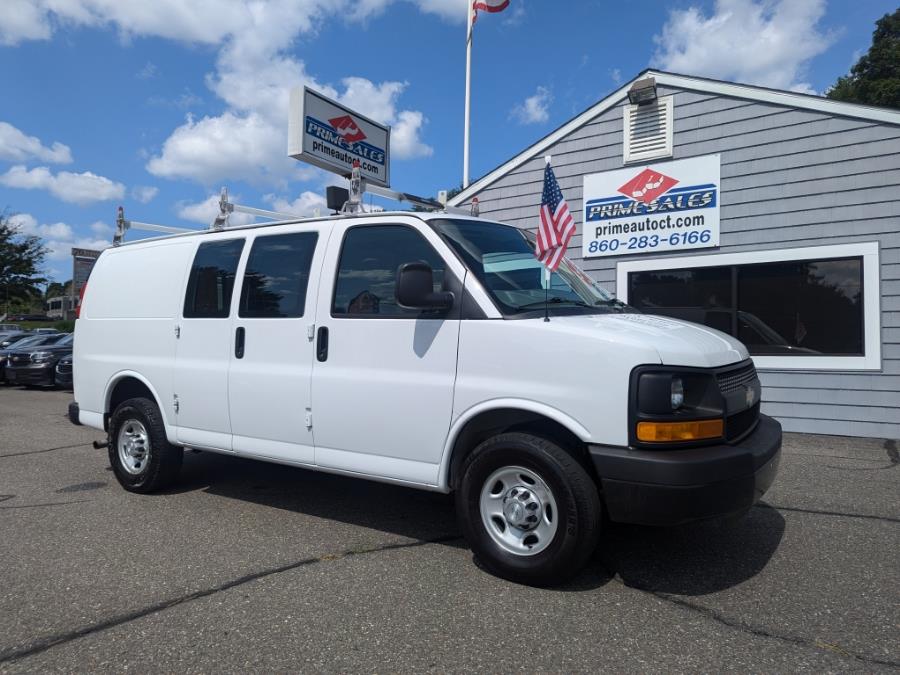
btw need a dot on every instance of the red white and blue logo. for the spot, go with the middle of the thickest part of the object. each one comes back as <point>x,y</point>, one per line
<point>343,135</point>
<point>347,128</point>
<point>650,192</point>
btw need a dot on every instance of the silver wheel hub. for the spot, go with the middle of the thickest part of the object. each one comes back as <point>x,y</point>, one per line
<point>518,510</point>
<point>133,444</point>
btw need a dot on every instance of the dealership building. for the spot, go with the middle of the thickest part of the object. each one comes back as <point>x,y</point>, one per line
<point>770,215</point>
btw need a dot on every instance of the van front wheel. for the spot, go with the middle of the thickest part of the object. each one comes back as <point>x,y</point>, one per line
<point>529,510</point>
<point>140,454</point>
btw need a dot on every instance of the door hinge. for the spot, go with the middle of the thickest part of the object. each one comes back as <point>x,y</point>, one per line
<point>308,418</point>
<point>311,332</point>
<point>175,403</point>
<point>177,332</point>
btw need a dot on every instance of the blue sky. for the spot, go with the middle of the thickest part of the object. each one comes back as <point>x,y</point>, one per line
<point>156,105</point>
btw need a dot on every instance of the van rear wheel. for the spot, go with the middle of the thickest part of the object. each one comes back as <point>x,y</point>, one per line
<point>140,454</point>
<point>529,510</point>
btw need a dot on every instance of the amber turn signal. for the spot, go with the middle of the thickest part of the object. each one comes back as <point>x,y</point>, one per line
<point>661,432</point>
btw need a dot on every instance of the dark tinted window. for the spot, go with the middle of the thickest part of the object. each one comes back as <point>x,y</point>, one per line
<point>806,307</point>
<point>212,279</point>
<point>277,275</point>
<point>367,272</point>
<point>702,295</point>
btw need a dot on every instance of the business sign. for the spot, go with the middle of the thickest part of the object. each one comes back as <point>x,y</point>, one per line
<point>649,209</point>
<point>331,136</point>
<point>83,260</point>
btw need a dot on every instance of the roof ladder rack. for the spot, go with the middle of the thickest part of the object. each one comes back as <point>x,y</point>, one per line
<point>226,208</point>
<point>123,226</point>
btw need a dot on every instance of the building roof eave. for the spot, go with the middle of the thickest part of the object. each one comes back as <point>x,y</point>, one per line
<point>688,82</point>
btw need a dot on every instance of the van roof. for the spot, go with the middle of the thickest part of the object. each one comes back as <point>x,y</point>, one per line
<point>421,215</point>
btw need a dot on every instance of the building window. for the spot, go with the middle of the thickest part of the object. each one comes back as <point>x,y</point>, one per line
<point>806,308</point>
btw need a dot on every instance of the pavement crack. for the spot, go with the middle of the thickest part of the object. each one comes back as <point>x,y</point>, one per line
<point>38,452</point>
<point>840,514</point>
<point>752,629</point>
<point>34,506</point>
<point>18,653</point>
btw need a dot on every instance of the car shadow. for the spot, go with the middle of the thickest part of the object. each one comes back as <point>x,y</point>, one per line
<point>693,559</point>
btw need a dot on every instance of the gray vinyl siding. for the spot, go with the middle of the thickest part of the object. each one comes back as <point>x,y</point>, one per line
<point>790,178</point>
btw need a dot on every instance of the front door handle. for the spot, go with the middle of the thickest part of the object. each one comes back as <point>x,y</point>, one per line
<point>239,343</point>
<point>322,344</point>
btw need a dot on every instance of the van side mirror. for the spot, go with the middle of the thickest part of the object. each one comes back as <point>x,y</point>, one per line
<point>415,288</point>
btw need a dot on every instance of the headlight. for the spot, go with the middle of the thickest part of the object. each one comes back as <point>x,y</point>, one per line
<point>677,397</point>
<point>675,405</point>
<point>41,357</point>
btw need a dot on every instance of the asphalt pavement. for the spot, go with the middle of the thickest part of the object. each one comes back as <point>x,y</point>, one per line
<point>246,566</point>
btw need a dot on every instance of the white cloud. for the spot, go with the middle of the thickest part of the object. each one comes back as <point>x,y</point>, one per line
<point>616,75</point>
<point>18,147</point>
<point>254,73</point>
<point>304,206</point>
<point>60,238</point>
<point>100,228</point>
<point>206,211</point>
<point>23,20</point>
<point>232,146</point>
<point>535,108</point>
<point>77,188</point>
<point>148,72</point>
<point>144,193</point>
<point>764,42</point>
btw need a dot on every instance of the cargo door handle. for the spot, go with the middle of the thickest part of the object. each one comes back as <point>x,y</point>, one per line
<point>322,344</point>
<point>239,343</point>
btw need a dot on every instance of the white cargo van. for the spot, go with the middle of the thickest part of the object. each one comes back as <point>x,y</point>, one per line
<point>413,348</point>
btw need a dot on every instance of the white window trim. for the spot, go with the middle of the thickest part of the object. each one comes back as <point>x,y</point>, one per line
<point>632,157</point>
<point>871,296</point>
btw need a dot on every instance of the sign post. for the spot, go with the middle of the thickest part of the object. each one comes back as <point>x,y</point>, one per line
<point>331,136</point>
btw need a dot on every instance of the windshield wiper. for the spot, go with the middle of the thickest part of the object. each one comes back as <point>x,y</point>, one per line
<point>552,301</point>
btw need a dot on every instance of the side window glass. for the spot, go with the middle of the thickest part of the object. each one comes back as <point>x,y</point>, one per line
<point>211,281</point>
<point>277,276</point>
<point>367,271</point>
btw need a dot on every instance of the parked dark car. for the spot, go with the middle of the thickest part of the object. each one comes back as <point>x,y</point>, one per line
<point>21,364</point>
<point>63,375</point>
<point>7,340</point>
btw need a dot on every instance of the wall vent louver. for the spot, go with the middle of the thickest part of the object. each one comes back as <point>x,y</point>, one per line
<point>648,130</point>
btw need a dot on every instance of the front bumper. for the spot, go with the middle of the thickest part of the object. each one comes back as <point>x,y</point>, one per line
<point>38,373</point>
<point>670,487</point>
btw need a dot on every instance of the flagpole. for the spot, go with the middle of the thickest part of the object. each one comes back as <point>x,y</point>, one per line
<point>469,9</point>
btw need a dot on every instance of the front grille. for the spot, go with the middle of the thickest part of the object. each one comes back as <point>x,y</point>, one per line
<point>740,423</point>
<point>732,380</point>
<point>19,359</point>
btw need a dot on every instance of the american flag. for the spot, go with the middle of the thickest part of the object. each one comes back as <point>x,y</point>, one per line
<point>557,225</point>
<point>487,6</point>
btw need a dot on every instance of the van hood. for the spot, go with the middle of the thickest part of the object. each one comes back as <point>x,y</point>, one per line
<point>676,342</point>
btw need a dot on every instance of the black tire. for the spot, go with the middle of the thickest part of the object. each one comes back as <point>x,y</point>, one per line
<point>574,491</point>
<point>160,464</point>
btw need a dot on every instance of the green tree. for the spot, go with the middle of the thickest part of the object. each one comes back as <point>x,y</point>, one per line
<point>875,78</point>
<point>21,257</point>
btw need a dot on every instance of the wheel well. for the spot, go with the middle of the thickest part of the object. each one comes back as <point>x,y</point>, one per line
<point>493,422</point>
<point>126,388</point>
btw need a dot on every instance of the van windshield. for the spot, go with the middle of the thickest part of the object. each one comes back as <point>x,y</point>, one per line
<point>502,257</point>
